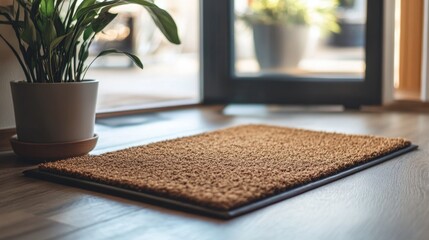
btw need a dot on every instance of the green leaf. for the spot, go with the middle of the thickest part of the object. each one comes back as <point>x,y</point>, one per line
<point>50,32</point>
<point>162,19</point>
<point>134,58</point>
<point>87,33</point>
<point>104,18</point>
<point>85,3</point>
<point>29,35</point>
<point>96,7</point>
<point>57,41</point>
<point>47,7</point>
<point>30,58</point>
<point>83,53</point>
<point>69,41</point>
<point>88,19</point>
<point>59,26</point>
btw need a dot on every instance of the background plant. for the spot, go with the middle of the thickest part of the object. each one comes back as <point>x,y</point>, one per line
<point>54,36</point>
<point>347,3</point>
<point>321,13</point>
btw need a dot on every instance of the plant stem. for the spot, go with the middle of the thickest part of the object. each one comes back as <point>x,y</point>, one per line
<point>17,57</point>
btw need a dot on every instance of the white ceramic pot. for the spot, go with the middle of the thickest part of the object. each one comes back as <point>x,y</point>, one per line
<point>54,112</point>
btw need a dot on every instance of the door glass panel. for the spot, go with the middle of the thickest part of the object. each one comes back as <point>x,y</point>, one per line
<point>300,38</point>
<point>171,72</point>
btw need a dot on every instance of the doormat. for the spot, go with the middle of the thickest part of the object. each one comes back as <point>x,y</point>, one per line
<point>228,172</point>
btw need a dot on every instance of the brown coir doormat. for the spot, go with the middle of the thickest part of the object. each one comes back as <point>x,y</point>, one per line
<point>228,169</point>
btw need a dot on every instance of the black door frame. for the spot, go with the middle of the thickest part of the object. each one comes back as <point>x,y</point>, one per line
<point>221,86</point>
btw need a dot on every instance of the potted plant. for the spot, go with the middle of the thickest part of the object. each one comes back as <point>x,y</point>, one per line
<point>55,104</point>
<point>281,28</point>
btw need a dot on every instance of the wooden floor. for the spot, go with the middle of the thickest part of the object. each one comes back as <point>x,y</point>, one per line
<point>388,201</point>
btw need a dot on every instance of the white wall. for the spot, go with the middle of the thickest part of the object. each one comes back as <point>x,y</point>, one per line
<point>9,71</point>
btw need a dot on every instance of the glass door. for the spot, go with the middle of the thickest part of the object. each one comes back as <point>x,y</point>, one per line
<point>293,51</point>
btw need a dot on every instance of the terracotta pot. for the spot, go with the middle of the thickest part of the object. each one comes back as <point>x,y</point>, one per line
<point>54,112</point>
